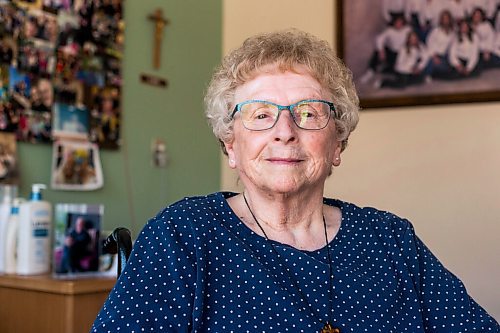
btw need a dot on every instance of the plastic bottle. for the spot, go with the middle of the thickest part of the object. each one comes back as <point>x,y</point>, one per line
<point>8,192</point>
<point>35,230</point>
<point>11,239</point>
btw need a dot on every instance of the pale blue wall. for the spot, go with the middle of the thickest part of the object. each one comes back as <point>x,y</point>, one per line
<point>134,190</point>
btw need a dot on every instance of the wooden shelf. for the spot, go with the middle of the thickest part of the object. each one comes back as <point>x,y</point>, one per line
<point>42,303</point>
<point>47,283</point>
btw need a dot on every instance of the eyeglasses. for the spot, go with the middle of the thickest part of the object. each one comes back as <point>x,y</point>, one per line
<point>309,114</point>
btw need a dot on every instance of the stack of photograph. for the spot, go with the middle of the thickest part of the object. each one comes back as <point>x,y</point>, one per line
<point>60,70</point>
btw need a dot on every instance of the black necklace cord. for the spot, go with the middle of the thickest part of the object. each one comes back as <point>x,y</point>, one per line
<point>330,268</point>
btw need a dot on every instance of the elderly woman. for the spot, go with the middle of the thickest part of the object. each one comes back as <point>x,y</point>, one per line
<point>279,257</point>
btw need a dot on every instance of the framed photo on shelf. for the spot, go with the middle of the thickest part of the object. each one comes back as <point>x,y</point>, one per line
<point>393,53</point>
<point>77,238</point>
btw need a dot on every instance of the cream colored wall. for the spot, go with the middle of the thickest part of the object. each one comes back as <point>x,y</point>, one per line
<point>438,166</point>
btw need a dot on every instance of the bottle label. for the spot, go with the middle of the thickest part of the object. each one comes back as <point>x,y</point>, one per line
<point>41,233</point>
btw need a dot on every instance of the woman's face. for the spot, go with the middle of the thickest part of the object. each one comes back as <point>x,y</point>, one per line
<point>464,27</point>
<point>445,20</point>
<point>413,39</point>
<point>284,158</point>
<point>477,17</point>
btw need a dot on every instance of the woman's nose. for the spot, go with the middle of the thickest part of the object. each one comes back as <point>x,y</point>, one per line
<point>285,129</point>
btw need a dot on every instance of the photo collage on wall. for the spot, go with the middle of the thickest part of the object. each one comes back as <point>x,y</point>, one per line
<point>60,70</point>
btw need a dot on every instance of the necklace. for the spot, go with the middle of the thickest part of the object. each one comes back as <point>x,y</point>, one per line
<point>327,327</point>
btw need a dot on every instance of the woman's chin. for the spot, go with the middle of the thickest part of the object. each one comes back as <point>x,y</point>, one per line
<point>287,186</point>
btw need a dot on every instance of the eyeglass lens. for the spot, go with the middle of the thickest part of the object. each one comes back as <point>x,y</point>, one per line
<point>306,115</point>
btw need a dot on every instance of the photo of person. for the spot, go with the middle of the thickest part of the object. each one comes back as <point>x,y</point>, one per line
<point>67,52</point>
<point>4,82</point>
<point>46,90</point>
<point>19,82</point>
<point>76,238</point>
<point>68,63</point>
<point>464,54</point>
<point>9,171</point>
<point>456,38</point>
<point>69,92</point>
<point>36,102</point>
<point>40,25</point>
<point>9,116</point>
<point>76,166</point>
<point>6,50</point>
<point>412,64</point>
<point>92,67</point>
<point>36,58</point>
<point>70,121</point>
<point>53,6</point>
<point>105,118</point>
<point>11,20</point>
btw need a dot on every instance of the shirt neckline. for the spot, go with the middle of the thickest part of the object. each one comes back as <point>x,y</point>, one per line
<point>236,224</point>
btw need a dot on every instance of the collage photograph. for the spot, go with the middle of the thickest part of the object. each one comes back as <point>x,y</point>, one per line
<point>60,52</point>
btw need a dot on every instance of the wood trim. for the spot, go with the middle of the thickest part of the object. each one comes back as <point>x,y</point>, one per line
<point>47,283</point>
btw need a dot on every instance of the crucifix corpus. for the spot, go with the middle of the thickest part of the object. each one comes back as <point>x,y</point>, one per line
<point>160,22</point>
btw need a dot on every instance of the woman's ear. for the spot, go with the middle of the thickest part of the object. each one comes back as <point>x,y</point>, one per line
<point>336,154</point>
<point>230,154</point>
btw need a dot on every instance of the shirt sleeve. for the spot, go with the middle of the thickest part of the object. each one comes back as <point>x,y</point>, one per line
<point>452,56</point>
<point>444,302</point>
<point>474,54</point>
<point>381,39</point>
<point>155,292</point>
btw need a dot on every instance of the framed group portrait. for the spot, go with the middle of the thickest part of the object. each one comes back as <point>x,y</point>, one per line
<point>418,52</point>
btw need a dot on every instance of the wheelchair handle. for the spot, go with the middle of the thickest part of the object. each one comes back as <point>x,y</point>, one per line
<point>119,242</point>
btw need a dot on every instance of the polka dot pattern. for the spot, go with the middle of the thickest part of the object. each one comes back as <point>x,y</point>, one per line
<point>196,267</point>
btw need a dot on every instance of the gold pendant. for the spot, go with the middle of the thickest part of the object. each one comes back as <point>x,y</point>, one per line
<point>329,329</point>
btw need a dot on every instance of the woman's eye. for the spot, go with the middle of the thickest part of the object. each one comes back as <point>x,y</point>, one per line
<point>262,113</point>
<point>308,113</point>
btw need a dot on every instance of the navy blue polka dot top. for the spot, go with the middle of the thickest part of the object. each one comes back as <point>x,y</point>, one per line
<point>196,267</point>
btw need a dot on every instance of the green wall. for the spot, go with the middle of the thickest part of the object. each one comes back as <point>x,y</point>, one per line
<point>133,190</point>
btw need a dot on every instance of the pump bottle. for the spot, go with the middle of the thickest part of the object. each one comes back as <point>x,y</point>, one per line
<point>35,230</point>
<point>8,192</point>
<point>11,240</point>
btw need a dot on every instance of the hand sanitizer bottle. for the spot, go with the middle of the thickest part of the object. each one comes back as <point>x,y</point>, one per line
<point>35,230</point>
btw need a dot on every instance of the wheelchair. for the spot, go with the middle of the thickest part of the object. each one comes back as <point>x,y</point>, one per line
<point>119,242</point>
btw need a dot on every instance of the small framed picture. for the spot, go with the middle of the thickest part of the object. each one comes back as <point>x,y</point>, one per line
<point>76,166</point>
<point>70,121</point>
<point>77,238</point>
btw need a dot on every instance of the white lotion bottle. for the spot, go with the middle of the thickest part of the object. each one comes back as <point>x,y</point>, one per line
<point>8,193</point>
<point>12,236</point>
<point>35,230</point>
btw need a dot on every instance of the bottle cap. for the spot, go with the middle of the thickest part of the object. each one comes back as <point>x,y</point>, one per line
<point>35,191</point>
<point>8,193</point>
<point>15,205</point>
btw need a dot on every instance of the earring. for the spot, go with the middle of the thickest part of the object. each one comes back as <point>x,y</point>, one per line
<point>231,161</point>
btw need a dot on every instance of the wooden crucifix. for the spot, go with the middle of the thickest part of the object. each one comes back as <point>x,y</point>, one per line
<point>160,22</point>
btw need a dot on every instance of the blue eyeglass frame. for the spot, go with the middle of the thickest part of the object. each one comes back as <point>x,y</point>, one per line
<point>238,106</point>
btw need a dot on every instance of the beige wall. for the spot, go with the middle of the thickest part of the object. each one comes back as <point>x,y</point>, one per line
<point>438,166</point>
